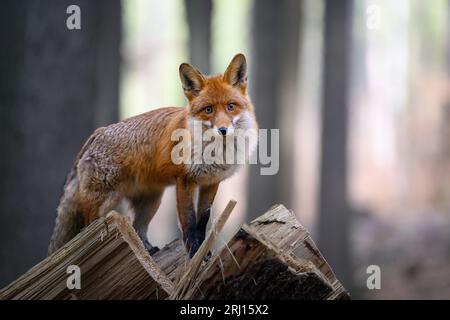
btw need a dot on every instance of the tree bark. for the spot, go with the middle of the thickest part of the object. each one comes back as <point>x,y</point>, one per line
<point>199,16</point>
<point>334,211</point>
<point>276,27</point>
<point>57,86</point>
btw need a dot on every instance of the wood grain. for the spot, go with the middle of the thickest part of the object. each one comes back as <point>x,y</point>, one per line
<point>113,264</point>
<point>273,257</point>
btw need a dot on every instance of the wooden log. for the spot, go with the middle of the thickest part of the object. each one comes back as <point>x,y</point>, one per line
<point>249,268</point>
<point>273,257</point>
<point>113,265</point>
<point>281,227</point>
<point>173,260</point>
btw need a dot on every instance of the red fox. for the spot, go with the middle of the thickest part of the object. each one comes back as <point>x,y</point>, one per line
<point>131,160</point>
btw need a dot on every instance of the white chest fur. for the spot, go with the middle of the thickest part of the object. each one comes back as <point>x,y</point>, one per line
<point>212,173</point>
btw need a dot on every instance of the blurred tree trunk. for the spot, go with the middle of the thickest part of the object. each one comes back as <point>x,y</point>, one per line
<point>274,90</point>
<point>199,20</point>
<point>447,53</point>
<point>359,45</point>
<point>443,168</point>
<point>57,85</point>
<point>334,211</point>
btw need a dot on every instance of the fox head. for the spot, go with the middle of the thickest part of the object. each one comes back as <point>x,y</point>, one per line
<point>219,102</point>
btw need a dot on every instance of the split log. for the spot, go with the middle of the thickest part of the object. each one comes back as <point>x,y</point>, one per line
<point>280,226</point>
<point>113,264</point>
<point>273,257</point>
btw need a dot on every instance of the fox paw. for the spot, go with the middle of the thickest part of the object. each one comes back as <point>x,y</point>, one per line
<point>193,247</point>
<point>153,250</point>
<point>150,249</point>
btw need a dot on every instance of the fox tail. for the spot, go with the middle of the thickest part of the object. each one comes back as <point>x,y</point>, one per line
<point>69,220</point>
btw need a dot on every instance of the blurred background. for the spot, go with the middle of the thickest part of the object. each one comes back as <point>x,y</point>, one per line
<point>360,91</point>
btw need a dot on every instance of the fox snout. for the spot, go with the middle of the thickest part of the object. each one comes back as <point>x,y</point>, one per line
<point>224,128</point>
<point>223,131</point>
<point>223,122</point>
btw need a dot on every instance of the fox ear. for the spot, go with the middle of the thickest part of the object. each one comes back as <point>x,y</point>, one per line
<point>191,79</point>
<point>236,73</point>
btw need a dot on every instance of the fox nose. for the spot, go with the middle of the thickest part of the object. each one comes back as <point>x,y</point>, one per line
<point>223,131</point>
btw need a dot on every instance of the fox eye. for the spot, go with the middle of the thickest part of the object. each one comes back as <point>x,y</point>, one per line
<point>208,109</point>
<point>230,107</point>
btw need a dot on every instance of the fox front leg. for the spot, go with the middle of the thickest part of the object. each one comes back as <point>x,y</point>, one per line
<point>205,200</point>
<point>144,208</point>
<point>185,190</point>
